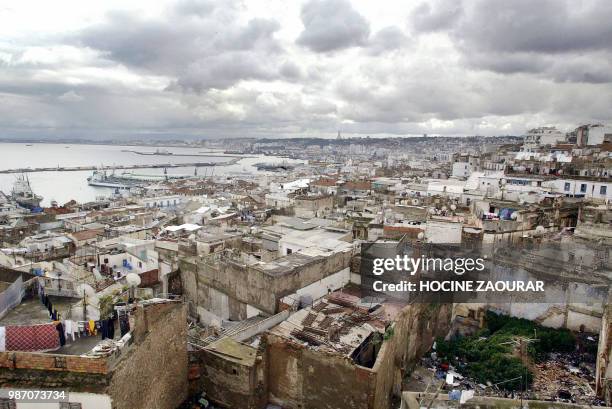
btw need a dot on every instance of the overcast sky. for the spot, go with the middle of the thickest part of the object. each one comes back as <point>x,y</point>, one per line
<point>276,68</point>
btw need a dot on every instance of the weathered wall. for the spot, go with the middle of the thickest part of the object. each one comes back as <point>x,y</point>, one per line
<point>313,207</point>
<point>603,374</point>
<point>153,374</point>
<point>251,285</point>
<point>231,384</point>
<point>301,378</point>
<point>22,369</point>
<point>413,334</point>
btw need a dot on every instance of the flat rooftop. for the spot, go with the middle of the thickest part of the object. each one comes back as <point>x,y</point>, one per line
<point>31,311</point>
<point>234,351</point>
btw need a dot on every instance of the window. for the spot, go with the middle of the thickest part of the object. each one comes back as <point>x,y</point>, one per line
<point>603,190</point>
<point>583,188</point>
<point>289,251</point>
<point>567,186</point>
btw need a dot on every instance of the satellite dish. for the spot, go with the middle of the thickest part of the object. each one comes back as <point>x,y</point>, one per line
<point>540,230</point>
<point>421,236</point>
<point>133,279</point>
<point>514,215</point>
<point>415,202</point>
<point>453,207</point>
<point>86,289</point>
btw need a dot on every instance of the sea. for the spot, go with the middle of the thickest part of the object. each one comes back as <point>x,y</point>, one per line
<point>63,186</point>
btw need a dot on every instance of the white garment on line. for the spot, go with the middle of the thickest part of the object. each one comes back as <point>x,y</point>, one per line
<point>2,339</point>
<point>68,329</point>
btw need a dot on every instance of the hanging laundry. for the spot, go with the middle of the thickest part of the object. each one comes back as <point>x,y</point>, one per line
<point>43,337</point>
<point>70,329</point>
<point>124,324</point>
<point>104,329</point>
<point>91,327</point>
<point>111,328</point>
<point>60,330</point>
<point>2,339</point>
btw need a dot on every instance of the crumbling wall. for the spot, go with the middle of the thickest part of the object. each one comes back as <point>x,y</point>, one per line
<point>300,378</point>
<point>411,335</point>
<point>603,375</point>
<point>231,384</point>
<point>153,374</point>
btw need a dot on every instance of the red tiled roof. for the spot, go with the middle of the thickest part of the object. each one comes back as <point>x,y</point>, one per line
<point>325,182</point>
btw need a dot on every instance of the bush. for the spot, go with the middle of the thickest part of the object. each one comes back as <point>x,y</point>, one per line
<point>487,355</point>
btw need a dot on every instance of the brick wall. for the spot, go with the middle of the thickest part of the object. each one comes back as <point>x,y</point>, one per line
<point>38,370</point>
<point>149,278</point>
<point>52,362</point>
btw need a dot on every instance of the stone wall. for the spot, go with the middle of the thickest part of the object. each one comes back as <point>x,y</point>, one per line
<point>153,374</point>
<point>300,377</point>
<point>413,333</point>
<point>231,383</point>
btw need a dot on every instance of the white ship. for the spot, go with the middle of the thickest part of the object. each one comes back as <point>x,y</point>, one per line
<point>128,180</point>
<point>101,178</point>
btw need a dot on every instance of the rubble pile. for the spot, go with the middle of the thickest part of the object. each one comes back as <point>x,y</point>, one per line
<point>568,377</point>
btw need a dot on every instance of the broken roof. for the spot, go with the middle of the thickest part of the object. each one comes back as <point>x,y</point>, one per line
<point>339,323</point>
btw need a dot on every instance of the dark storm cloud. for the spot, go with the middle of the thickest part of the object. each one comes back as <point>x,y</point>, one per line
<point>560,39</point>
<point>544,26</point>
<point>200,45</point>
<point>332,25</point>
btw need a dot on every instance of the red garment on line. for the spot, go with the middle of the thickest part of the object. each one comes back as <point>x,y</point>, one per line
<point>41,337</point>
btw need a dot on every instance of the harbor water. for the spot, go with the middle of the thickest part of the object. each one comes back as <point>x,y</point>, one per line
<point>63,186</point>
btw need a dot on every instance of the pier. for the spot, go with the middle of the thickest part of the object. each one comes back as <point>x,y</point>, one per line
<point>120,167</point>
<point>210,154</point>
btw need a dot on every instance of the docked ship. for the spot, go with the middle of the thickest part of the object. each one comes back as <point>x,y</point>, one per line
<point>101,178</point>
<point>274,167</point>
<point>23,194</point>
<point>128,180</point>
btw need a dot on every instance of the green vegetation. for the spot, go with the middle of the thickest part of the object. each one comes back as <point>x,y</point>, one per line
<point>106,304</point>
<point>389,333</point>
<point>493,353</point>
